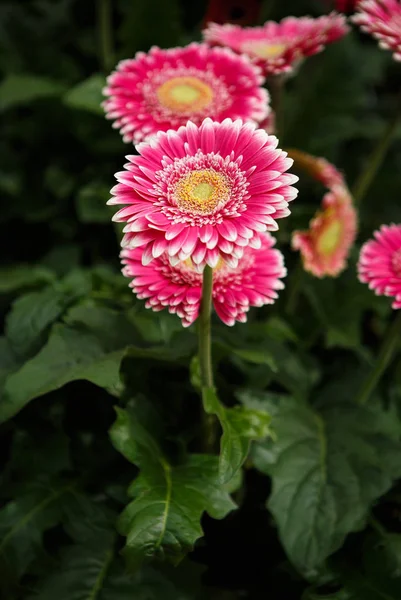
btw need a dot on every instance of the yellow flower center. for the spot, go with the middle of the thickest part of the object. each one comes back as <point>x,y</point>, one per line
<point>264,50</point>
<point>330,238</point>
<point>182,93</point>
<point>201,191</point>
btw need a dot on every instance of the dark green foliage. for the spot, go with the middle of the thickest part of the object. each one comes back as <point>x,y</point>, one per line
<point>299,499</point>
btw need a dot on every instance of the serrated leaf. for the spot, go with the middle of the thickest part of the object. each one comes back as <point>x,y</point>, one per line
<point>30,317</point>
<point>163,520</point>
<point>24,520</point>
<point>330,466</point>
<point>91,573</point>
<point>90,346</point>
<point>17,90</point>
<point>240,426</point>
<point>87,95</point>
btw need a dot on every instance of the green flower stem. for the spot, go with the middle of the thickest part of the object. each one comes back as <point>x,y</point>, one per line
<point>205,356</point>
<point>294,288</point>
<point>375,160</point>
<point>276,85</point>
<point>391,339</point>
<point>105,33</point>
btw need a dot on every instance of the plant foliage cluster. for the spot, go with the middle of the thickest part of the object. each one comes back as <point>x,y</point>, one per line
<point>105,491</point>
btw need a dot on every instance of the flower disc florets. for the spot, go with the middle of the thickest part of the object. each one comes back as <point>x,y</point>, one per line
<point>203,192</point>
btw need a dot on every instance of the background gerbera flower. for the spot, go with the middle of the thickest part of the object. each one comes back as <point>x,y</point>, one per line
<point>203,192</point>
<point>326,245</point>
<point>382,19</point>
<point>254,282</point>
<point>162,89</point>
<point>317,167</point>
<point>380,263</point>
<point>278,47</point>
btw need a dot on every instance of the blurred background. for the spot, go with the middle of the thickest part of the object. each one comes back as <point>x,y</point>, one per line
<point>59,154</point>
<point>58,159</point>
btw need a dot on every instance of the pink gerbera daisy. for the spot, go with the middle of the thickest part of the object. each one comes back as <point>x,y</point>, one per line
<point>203,192</point>
<point>380,263</point>
<point>326,245</point>
<point>162,89</point>
<point>382,19</point>
<point>276,47</point>
<point>254,282</point>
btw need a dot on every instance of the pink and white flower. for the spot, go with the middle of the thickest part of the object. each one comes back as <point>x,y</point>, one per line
<point>203,192</point>
<point>278,47</point>
<point>382,19</point>
<point>162,89</point>
<point>254,282</point>
<point>380,263</point>
<point>325,247</point>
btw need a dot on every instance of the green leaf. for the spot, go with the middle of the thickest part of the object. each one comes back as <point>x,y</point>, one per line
<point>17,90</point>
<point>87,95</point>
<point>31,316</point>
<point>90,346</point>
<point>240,426</point>
<point>16,277</point>
<point>163,520</point>
<point>90,573</point>
<point>330,466</point>
<point>24,520</point>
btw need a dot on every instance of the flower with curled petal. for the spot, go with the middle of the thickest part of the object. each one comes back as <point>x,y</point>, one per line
<point>254,282</point>
<point>380,263</point>
<point>162,89</point>
<point>326,245</point>
<point>203,192</point>
<point>278,47</point>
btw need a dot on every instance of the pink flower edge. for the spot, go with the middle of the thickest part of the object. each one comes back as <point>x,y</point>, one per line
<point>379,263</point>
<point>382,19</point>
<point>254,282</point>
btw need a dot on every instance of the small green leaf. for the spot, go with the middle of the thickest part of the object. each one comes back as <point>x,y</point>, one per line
<point>240,426</point>
<point>163,520</point>
<point>30,317</point>
<point>330,466</point>
<point>87,95</point>
<point>17,90</point>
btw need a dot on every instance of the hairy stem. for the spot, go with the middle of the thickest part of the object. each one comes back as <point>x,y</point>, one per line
<point>205,356</point>
<point>375,161</point>
<point>389,344</point>
<point>294,288</point>
<point>105,33</point>
<point>276,85</point>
